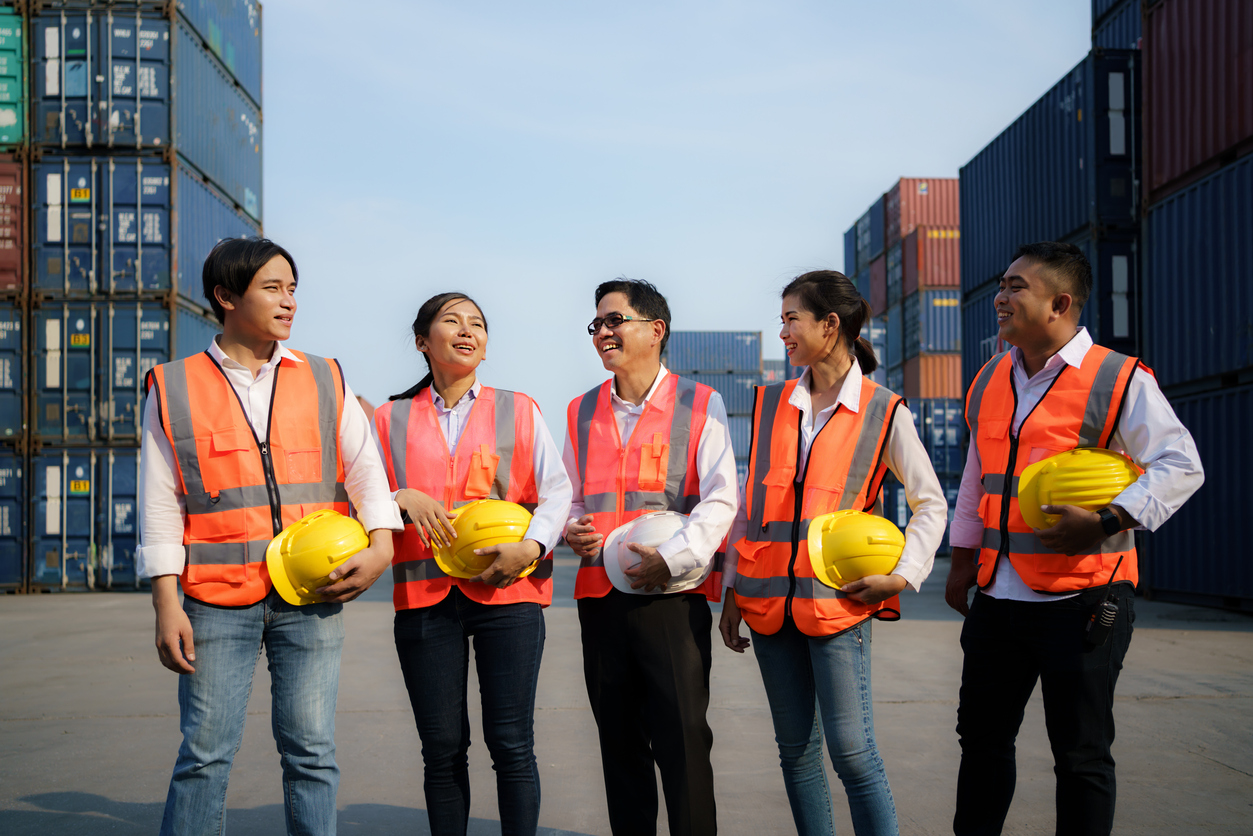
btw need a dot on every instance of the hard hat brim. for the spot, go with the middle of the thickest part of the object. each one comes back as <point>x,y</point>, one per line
<point>827,573</point>
<point>1029,496</point>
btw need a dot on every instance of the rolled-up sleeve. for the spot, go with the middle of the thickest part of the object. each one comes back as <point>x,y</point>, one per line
<point>162,507</point>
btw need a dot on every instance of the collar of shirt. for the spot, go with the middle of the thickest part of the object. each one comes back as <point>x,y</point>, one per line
<point>628,407</point>
<point>469,397</point>
<point>1072,354</point>
<point>850,393</point>
<point>216,352</point>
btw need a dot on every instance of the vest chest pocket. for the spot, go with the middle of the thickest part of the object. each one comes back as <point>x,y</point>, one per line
<point>232,461</point>
<point>303,465</point>
<point>654,459</point>
<point>483,463</point>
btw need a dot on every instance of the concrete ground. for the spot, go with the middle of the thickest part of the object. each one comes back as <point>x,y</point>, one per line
<point>89,727</point>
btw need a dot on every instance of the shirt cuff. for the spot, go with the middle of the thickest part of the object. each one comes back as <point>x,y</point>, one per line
<point>540,533</point>
<point>1146,509</point>
<point>678,556</point>
<point>911,577</point>
<point>381,515</point>
<point>153,561</point>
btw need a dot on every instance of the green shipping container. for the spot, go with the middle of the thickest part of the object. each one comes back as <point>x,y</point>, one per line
<point>12,80</point>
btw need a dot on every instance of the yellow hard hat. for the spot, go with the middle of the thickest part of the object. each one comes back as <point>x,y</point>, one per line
<point>1090,477</point>
<point>487,522</point>
<point>846,546</point>
<point>302,556</point>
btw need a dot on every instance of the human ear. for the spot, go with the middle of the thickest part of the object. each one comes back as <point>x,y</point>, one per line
<point>1062,304</point>
<point>224,297</point>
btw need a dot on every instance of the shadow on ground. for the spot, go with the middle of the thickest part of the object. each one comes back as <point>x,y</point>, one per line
<point>88,814</point>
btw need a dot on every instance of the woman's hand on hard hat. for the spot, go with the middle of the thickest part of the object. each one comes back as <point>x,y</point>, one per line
<point>432,520</point>
<point>511,559</point>
<point>581,536</point>
<point>175,647</point>
<point>874,588</point>
<point>652,571</point>
<point>729,624</point>
<point>1079,530</point>
<point>359,572</point>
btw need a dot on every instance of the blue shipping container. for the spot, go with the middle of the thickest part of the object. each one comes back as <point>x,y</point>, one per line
<point>941,424</point>
<point>741,471</point>
<point>1070,161</point>
<point>863,283</point>
<point>877,228</point>
<point>850,251</point>
<point>1200,553</point>
<point>741,427</point>
<point>736,389</point>
<point>979,330</point>
<point>135,337</point>
<point>203,217</point>
<point>896,506</point>
<point>1198,299</point>
<point>876,332</point>
<point>1119,29</point>
<point>894,322</point>
<point>119,518</point>
<point>896,275</point>
<point>12,386</point>
<point>863,241</point>
<point>714,351</point>
<point>63,519</point>
<point>192,332</point>
<point>896,380</point>
<point>1109,314</point>
<point>231,29</point>
<point>12,520</point>
<point>932,322</point>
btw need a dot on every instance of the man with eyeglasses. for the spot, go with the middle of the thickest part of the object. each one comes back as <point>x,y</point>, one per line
<point>647,440</point>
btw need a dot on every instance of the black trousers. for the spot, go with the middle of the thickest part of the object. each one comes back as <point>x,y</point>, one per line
<point>1008,645</point>
<point>646,660</point>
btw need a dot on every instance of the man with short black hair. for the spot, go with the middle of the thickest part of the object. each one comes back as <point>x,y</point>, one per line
<point>1053,391</point>
<point>239,442</point>
<point>647,440</point>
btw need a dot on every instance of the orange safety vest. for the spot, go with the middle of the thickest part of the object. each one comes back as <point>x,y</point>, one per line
<point>655,472</point>
<point>845,469</point>
<point>493,459</point>
<point>240,490</point>
<point>1080,409</point>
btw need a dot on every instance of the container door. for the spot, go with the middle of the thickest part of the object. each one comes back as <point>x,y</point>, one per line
<point>12,520</point>
<point>12,80</point>
<point>64,521</point>
<point>119,482</point>
<point>65,371</point>
<point>12,412</point>
<point>138,338</point>
<point>138,194</point>
<point>67,204</point>
<point>136,57</point>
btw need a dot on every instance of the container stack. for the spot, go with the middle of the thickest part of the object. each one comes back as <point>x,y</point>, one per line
<point>1198,287</point>
<point>134,146</point>
<point>941,424</point>
<point>730,363</point>
<point>1116,24</point>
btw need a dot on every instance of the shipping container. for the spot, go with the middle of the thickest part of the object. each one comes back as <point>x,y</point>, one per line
<point>878,297</point>
<point>119,518</point>
<point>894,331</point>
<point>741,427</point>
<point>1070,161</point>
<point>741,471</point>
<point>1198,106</point>
<point>1110,313</point>
<point>980,340</point>
<point>895,279</point>
<point>1198,290</point>
<point>896,505</point>
<point>932,322</point>
<point>13,236</point>
<point>103,81</point>
<point>65,370</point>
<point>12,520</point>
<point>714,351</point>
<point>1120,29</point>
<point>63,519</point>
<point>863,284</point>
<point>202,217</point>
<point>915,201</point>
<point>933,376</point>
<point>12,79</point>
<point>1200,554</point>
<point>876,332</point>
<point>941,425</point>
<point>12,373</point>
<point>850,252</point>
<point>231,29</point>
<point>773,371</point>
<point>931,258</point>
<point>895,379</point>
<point>736,389</point>
<point>870,232</point>
<point>135,337</point>
<point>192,332</point>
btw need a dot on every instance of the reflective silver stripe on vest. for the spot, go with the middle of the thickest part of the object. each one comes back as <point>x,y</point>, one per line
<point>778,586</point>
<point>680,436</point>
<point>1024,542</point>
<point>398,440</point>
<point>975,401</point>
<point>779,531</point>
<point>1100,399</point>
<point>607,503</point>
<point>866,453</point>
<point>178,418</point>
<point>506,432</point>
<point>426,569</point>
<point>770,397</point>
<point>994,483</point>
<point>256,496</point>
<point>328,427</point>
<point>587,411</point>
<point>227,554</point>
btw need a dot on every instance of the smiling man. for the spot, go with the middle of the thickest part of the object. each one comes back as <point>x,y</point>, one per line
<point>241,441</point>
<point>1053,391</point>
<point>646,440</point>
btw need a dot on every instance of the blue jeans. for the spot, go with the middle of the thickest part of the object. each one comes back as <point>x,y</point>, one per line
<point>302,646</point>
<point>807,677</point>
<point>433,644</point>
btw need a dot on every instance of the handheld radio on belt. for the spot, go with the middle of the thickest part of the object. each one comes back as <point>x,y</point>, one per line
<point>1101,621</point>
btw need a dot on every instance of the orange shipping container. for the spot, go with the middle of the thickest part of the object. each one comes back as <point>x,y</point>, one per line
<point>933,376</point>
<point>879,285</point>
<point>921,201</point>
<point>931,258</point>
<point>12,224</point>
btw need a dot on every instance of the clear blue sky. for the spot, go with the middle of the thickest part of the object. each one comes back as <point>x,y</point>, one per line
<point>525,152</point>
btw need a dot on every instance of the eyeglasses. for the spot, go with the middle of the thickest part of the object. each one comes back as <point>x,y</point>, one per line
<point>613,321</point>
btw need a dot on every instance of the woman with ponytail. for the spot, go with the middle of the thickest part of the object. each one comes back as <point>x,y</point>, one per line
<point>824,443</point>
<point>446,442</point>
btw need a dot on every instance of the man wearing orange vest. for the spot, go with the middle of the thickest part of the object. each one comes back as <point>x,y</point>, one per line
<point>240,441</point>
<point>648,440</point>
<point>1053,391</point>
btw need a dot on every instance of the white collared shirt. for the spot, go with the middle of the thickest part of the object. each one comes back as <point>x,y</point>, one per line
<point>715,464</point>
<point>551,482</point>
<point>162,507</point>
<point>1148,433</point>
<point>905,457</point>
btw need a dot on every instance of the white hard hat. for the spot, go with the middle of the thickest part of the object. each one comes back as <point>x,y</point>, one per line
<point>652,530</point>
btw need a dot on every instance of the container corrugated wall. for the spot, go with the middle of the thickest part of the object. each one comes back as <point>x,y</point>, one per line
<point>931,257</point>
<point>941,425</point>
<point>736,389</point>
<point>933,376</point>
<point>863,285</point>
<point>979,331</point>
<point>850,252</point>
<point>1200,554</point>
<point>1197,285</point>
<point>231,29</point>
<point>876,332</point>
<point>118,478</point>
<point>932,322</point>
<point>1198,108</point>
<point>878,275</point>
<point>896,507</point>
<point>895,278</point>
<point>1110,313</point>
<point>1120,29</point>
<point>12,376</point>
<point>202,218</point>
<point>13,237</point>
<point>13,92</point>
<point>63,518</point>
<point>920,201</point>
<point>192,332</point>
<point>894,327</point>
<point>714,351</point>
<point>12,520</point>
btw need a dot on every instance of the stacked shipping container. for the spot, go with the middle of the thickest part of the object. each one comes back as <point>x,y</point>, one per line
<point>144,151</point>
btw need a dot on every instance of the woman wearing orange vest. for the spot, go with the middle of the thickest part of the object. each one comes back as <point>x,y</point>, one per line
<point>446,442</point>
<point>824,443</point>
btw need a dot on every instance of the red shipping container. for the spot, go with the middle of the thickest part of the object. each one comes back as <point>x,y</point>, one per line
<point>879,285</point>
<point>921,201</point>
<point>933,376</point>
<point>931,258</point>
<point>12,224</point>
<point>1198,90</point>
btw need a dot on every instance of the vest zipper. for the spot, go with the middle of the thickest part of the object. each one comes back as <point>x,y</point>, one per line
<point>271,487</point>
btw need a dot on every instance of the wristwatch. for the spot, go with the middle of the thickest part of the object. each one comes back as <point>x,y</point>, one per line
<point>1110,522</point>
